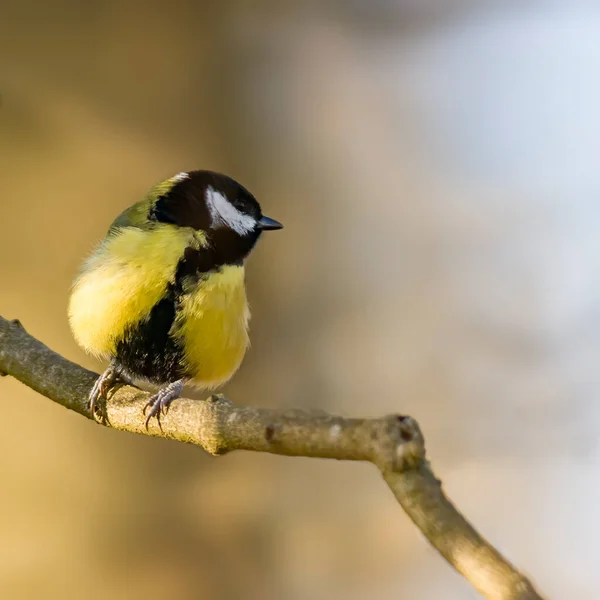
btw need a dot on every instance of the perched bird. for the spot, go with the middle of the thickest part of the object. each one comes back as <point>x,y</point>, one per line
<point>163,296</point>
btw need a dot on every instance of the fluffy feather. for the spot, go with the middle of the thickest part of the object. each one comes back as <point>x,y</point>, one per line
<point>213,324</point>
<point>121,282</point>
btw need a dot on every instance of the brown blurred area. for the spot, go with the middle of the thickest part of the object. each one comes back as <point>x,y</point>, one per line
<point>435,166</point>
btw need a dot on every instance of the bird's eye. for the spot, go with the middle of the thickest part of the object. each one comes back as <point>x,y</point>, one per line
<point>238,203</point>
<point>160,212</point>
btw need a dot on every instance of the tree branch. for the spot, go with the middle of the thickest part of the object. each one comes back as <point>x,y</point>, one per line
<point>393,443</point>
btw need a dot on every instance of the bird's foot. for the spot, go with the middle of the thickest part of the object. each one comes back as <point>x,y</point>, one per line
<point>159,403</point>
<point>104,384</point>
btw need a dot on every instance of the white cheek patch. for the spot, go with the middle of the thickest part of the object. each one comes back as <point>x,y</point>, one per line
<point>223,213</point>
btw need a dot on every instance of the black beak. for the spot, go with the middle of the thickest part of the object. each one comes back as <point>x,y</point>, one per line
<point>267,223</point>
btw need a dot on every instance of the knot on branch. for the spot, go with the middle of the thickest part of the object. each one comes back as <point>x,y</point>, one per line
<point>397,443</point>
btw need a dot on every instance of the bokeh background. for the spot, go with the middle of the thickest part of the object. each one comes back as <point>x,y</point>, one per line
<point>435,164</point>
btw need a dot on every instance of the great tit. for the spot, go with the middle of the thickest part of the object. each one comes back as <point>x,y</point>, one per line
<point>162,297</point>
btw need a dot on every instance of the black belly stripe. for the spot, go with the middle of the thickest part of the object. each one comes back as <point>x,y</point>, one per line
<point>147,350</point>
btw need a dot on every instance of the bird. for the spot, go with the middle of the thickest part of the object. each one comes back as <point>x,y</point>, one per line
<point>162,297</point>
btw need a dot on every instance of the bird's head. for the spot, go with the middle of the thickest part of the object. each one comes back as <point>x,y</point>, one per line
<point>226,213</point>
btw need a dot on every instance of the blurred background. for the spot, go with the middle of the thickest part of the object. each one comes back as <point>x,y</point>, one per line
<point>435,164</point>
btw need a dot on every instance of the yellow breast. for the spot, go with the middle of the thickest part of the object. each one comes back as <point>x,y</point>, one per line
<point>129,273</point>
<point>121,282</point>
<point>212,323</point>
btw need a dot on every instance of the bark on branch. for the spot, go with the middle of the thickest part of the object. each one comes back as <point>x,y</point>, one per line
<point>393,443</point>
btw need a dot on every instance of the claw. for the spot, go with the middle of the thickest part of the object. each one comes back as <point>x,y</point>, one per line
<point>101,388</point>
<point>104,384</point>
<point>154,412</point>
<point>160,402</point>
